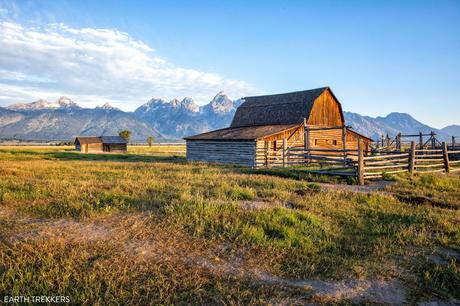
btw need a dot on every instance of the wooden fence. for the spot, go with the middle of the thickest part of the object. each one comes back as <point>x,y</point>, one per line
<point>357,163</point>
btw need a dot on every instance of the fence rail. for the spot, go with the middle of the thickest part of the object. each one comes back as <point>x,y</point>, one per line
<point>343,162</point>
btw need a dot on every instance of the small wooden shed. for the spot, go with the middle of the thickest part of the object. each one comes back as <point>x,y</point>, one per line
<point>310,118</point>
<point>94,144</point>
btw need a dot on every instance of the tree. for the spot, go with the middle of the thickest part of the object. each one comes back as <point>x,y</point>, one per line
<point>150,140</point>
<point>125,134</point>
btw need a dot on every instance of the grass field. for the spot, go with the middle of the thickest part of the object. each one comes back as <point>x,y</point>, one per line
<point>149,228</point>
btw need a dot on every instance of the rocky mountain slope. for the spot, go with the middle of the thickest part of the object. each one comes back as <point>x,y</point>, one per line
<point>177,119</point>
<point>64,119</point>
<point>391,124</point>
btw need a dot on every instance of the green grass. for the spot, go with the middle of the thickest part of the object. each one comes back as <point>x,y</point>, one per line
<point>53,202</point>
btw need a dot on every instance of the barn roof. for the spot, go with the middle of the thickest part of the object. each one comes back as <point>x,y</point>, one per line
<point>358,134</point>
<point>100,139</point>
<point>88,139</point>
<point>287,108</point>
<point>113,139</point>
<point>243,133</point>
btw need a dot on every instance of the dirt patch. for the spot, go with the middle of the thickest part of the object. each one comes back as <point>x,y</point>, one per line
<point>421,200</point>
<point>216,259</point>
<point>377,291</point>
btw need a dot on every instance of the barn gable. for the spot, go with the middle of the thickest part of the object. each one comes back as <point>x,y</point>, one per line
<point>290,108</point>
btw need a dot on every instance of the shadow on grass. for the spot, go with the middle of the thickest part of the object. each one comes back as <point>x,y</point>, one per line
<point>301,174</point>
<point>72,155</point>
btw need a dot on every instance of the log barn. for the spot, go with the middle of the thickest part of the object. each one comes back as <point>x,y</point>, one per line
<point>95,144</point>
<point>310,119</point>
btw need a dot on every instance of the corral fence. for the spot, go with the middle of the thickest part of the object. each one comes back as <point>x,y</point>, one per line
<point>364,164</point>
<point>422,141</point>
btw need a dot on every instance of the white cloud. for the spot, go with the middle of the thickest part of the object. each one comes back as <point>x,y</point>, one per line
<point>94,66</point>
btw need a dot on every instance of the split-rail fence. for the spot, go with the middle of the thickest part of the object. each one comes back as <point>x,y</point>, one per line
<point>366,165</point>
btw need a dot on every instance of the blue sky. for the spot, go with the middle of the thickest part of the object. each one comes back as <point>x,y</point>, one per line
<point>377,56</point>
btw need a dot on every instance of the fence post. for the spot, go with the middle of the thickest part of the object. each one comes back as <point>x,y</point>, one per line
<point>445,156</point>
<point>344,144</point>
<point>453,142</point>
<point>267,149</point>
<point>306,140</point>
<point>360,173</point>
<point>412,158</point>
<point>433,140</point>
<point>284,152</point>
<point>420,135</point>
<point>398,141</point>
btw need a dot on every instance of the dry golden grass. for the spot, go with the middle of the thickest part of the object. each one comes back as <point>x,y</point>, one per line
<point>148,227</point>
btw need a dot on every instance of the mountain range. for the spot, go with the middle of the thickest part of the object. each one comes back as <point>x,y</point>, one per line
<point>64,119</point>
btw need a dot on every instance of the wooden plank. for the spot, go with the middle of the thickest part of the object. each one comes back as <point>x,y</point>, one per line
<point>429,150</point>
<point>382,162</point>
<point>429,166</point>
<point>385,172</point>
<point>385,156</point>
<point>428,160</point>
<point>431,171</point>
<point>386,167</point>
<point>428,155</point>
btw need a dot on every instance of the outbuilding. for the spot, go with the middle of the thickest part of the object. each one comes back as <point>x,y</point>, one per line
<point>310,119</point>
<point>95,144</point>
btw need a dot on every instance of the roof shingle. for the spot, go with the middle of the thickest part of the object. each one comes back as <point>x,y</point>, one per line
<point>288,108</point>
<point>243,133</point>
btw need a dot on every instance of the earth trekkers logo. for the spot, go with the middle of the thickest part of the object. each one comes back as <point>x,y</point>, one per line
<point>41,299</point>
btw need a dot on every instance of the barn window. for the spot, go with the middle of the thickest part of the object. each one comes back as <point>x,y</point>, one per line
<point>316,142</point>
<point>334,142</point>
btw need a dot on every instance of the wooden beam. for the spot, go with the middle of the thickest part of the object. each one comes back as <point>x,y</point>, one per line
<point>445,157</point>
<point>412,158</point>
<point>284,152</point>
<point>360,162</point>
<point>267,148</point>
<point>344,143</point>
<point>420,135</point>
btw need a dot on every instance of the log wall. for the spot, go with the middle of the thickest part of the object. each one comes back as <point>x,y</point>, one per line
<point>92,147</point>
<point>115,147</point>
<point>225,152</point>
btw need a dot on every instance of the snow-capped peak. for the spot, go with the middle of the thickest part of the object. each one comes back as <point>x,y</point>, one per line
<point>107,106</point>
<point>66,102</point>
<point>221,103</point>
<point>37,105</point>
<point>190,104</point>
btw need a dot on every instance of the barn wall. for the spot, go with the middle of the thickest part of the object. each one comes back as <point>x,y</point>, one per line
<point>324,139</point>
<point>352,142</point>
<point>326,111</point>
<point>225,152</point>
<point>94,147</point>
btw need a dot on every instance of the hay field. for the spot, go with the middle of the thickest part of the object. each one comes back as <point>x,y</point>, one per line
<point>149,228</point>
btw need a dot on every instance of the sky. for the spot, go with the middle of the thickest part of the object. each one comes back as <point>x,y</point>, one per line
<point>378,57</point>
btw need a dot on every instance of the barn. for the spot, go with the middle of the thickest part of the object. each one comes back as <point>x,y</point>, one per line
<point>94,144</point>
<point>310,119</point>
